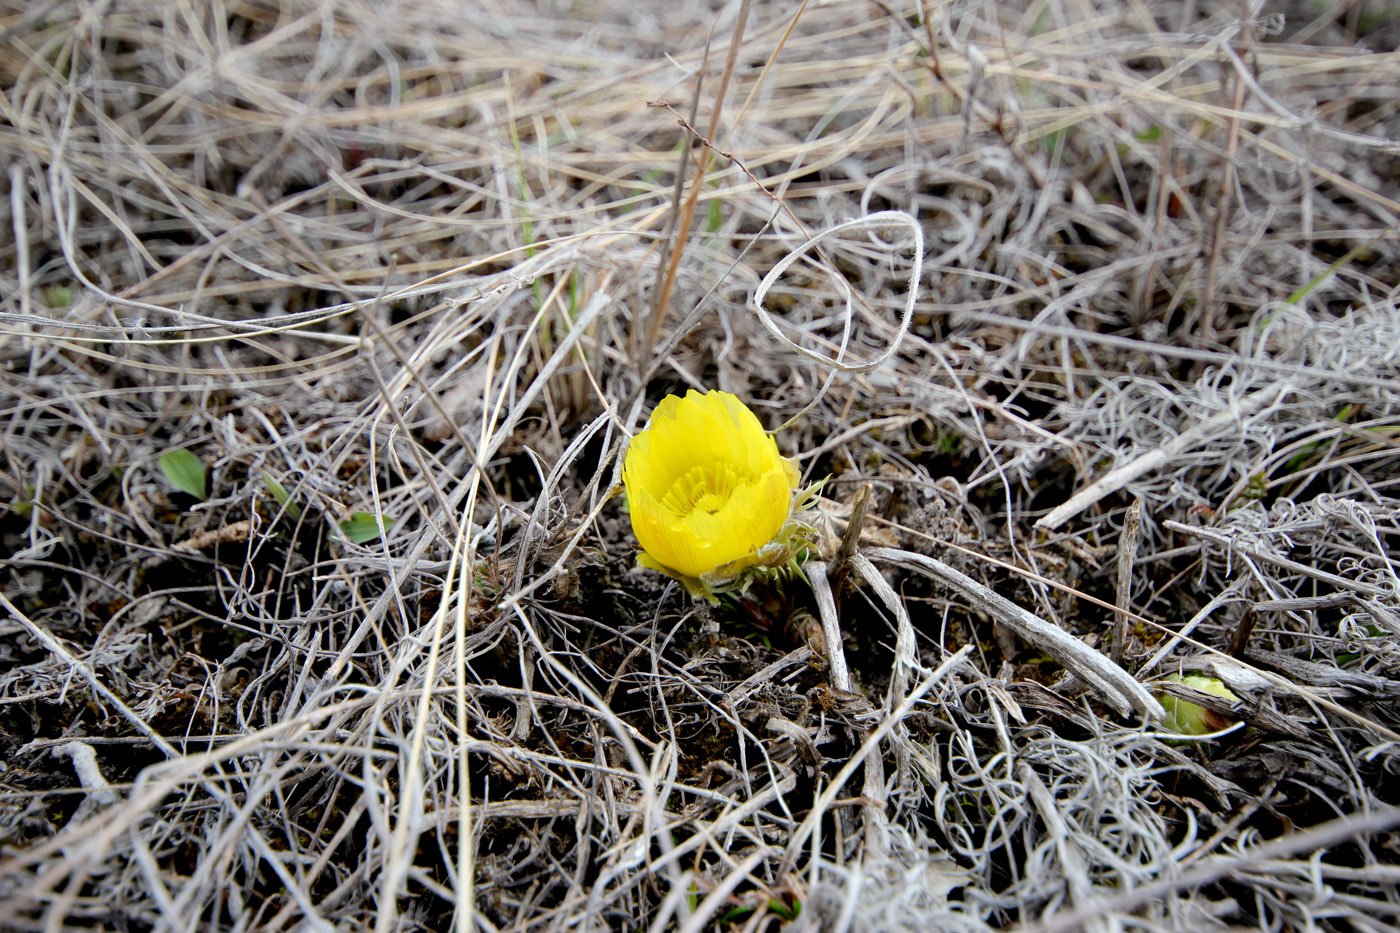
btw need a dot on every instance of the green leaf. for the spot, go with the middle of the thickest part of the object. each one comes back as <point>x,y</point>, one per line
<point>184,471</point>
<point>714,215</point>
<point>1351,254</point>
<point>784,911</point>
<point>58,296</point>
<point>279,492</point>
<point>363,527</point>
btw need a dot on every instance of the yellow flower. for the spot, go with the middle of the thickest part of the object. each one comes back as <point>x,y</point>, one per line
<point>707,490</point>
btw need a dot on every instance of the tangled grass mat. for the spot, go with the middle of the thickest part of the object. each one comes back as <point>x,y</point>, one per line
<point>323,330</point>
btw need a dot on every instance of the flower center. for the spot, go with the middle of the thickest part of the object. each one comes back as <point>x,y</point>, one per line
<point>705,487</point>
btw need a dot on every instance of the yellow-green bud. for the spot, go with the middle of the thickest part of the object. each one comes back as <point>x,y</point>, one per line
<point>1187,718</point>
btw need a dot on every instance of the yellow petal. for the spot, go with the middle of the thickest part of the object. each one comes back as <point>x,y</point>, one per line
<point>748,431</point>
<point>681,444</point>
<point>667,407</point>
<point>639,467</point>
<point>793,471</point>
<point>654,529</point>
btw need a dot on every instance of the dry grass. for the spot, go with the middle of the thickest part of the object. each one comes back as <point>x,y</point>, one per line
<point>435,262</point>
